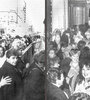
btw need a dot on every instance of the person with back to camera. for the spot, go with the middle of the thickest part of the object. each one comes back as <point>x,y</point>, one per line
<point>34,83</point>
<point>14,90</point>
<point>55,80</point>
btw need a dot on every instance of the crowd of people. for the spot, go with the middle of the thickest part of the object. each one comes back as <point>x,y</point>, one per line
<point>20,79</point>
<point>68,64</point>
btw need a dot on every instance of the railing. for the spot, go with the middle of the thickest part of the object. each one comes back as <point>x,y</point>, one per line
<point>28,54</point>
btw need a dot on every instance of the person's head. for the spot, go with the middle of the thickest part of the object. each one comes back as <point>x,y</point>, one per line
<point>11,56</point>
<point>57,36</point>
<point>85,67</point>
<point>40,59</point>
<point>52,45</point>
<point>81,44</point>
<point>73,52</point>
<point>64,45</point>
<point>3,44</point>
<point>77,28</point>
<point>37,44</point>
<point>54,63</point>
<point>17,37</point>
<point>52,53</point>
<point>84,53</point>
<point>87,34</point>
<point>18,45</point>
<point>2,51</point>
<point>86,71</point>
<point>56,77</point>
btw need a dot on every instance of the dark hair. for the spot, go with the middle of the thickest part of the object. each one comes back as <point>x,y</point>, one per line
<point>84,54</point>
<point>81,44</point>
<point>64,44</point>
<point>3,50</point>
<point>53,50</point>
<point>11,52</point>
<point>53,74</point>
<point>73,50</point>
<point>17,37</point>
<point>57,32</point>
<point>52,45</point>
<point>40,57</point>
<point>83,61</point>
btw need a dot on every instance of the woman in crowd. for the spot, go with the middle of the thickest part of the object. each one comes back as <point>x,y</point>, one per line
<point>74,67</point>
<point>82,84</point>
<point>53,59</point>
<point>57,42</point>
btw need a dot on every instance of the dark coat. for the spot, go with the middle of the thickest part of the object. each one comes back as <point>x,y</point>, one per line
<point>64,40</point>
<point>60,54</point>
<point>65,65</point>
<point>20,65</point>
<point>14,90</point>
<point>34,86</point>
<point>54,93</point>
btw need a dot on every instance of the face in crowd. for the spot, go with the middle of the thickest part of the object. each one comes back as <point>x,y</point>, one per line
<point>12,56</point>
<point>12,60</point>
<point>1,51</point>
<point>86,71</point>
<point>55,77</point>
<point>52,53</point>
<point>57,38</point>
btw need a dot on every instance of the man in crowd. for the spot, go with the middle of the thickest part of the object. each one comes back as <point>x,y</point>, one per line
<point>55,81</point>
<point>14,90</point>
<point>34,85</point>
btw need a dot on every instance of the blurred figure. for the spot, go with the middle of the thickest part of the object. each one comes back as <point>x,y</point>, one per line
<point>57,40</point>
<point>53,59</point>
<point>34,83</point>
<point>37,46</point>
<point>74,68</point>
<point>82,84</point>
<point>2,56</point>
<point>83,80</point>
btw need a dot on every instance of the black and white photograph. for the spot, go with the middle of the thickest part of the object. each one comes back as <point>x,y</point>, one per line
<point>44,49</point>
<point>68,49</point>
<point>22,49</point>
